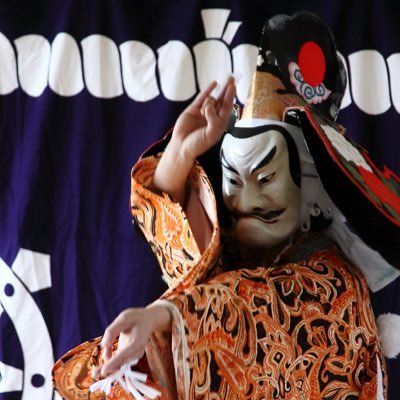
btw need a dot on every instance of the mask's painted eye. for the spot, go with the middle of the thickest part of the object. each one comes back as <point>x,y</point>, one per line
<point>233,182</point>
<point>265,179</point>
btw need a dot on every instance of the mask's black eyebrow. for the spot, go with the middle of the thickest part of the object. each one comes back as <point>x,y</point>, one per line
<point>265,160</point>
<point>225,163</point>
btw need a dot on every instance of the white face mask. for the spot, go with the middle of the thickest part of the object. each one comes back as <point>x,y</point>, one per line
<point>258,188</point>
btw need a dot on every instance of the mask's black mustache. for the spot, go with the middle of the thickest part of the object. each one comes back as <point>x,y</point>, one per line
<point>270,215</point>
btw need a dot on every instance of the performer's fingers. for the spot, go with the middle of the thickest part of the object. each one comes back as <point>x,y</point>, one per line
<point>214,129</point>
<point>202,96</point>
<point>120,358</point>
<point>227,101</point>
<point>209,103</point>
<point>120,324</point>
<point>230,80</point>
<point>209,112</point>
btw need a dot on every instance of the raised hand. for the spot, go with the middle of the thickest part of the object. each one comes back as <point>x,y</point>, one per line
<point>202,123</point>
<point>197,129</point>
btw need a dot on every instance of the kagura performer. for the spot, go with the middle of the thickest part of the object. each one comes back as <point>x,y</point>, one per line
<point>277,306</point>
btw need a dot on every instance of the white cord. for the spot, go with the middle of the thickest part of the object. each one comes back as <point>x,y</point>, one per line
<point>131,381</point>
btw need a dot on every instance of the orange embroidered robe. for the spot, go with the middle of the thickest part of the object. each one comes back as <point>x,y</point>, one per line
<point>303,329</point>
<point>297,330</point>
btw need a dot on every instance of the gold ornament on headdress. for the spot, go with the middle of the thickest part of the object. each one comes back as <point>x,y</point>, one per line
<point>265,101</point>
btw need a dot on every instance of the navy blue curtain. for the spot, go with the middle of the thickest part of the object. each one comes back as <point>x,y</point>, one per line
<point>85,88</point>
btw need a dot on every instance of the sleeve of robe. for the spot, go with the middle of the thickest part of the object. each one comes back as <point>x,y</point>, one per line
<point>186,258</point>
<point>186,255</point>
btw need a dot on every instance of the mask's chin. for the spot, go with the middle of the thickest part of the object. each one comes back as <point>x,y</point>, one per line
<point>254,233</point>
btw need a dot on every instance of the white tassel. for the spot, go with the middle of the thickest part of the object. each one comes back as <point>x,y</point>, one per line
<point>131,381</point>
<point>389,327</point>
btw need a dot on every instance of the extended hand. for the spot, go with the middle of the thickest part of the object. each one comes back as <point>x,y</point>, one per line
<point>134,327</point>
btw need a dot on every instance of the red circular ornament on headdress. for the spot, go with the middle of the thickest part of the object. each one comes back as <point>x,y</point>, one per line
<point>312,64</point>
